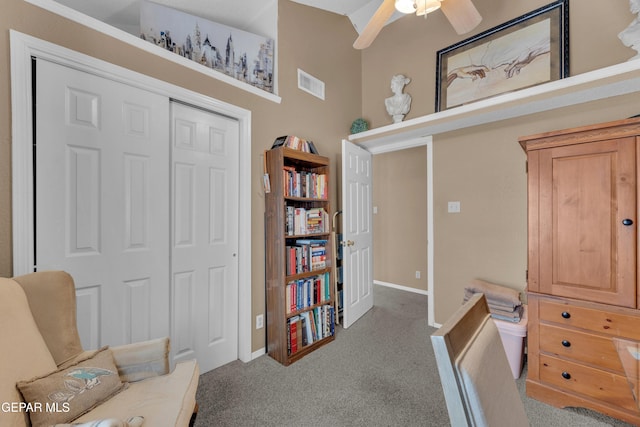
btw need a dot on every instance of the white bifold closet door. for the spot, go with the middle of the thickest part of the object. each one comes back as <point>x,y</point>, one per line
<point>205,236</point>
<point>102,205</point>
<point>137,198</point>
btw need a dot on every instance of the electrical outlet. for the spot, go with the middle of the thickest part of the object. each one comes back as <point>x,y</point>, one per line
<point>259,321</point>
<point>417,274</point>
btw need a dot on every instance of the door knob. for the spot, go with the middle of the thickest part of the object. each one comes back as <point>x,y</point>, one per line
<point>627,222</point>
<point>347,243</point>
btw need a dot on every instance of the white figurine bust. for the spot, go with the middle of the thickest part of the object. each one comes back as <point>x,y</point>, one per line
<point>399,104</point>
<point>630,36</point>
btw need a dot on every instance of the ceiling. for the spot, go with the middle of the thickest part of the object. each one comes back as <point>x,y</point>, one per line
<point>257,16</point>
<point>358,11</point>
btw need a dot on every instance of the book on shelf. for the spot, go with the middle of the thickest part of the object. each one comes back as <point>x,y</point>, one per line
<point>304,184</point>
<point>300,221</point>
<point>309,327</point>
<point>317,253</point>
<point>305,256</point>
<point>328,320</point>
<point>317,221</point>
<point>307,292</point>
<point>314,325</point>
<point>295,143</point>
<point>292,328</point>
<point>307,338</point>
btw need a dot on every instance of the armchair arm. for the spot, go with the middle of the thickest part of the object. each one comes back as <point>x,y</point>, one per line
<point>142,360</point>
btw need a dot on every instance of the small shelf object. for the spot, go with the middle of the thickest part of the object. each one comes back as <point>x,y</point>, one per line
<point>299,254</point>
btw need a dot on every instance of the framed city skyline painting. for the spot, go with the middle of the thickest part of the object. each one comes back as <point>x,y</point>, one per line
<point>240,54</point>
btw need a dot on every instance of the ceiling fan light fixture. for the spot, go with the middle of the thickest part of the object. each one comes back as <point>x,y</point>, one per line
<point>424,7</point>
<point>405,6</point>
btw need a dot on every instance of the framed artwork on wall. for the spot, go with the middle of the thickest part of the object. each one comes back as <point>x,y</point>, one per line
<point>526,51</point>
<point>242,55</point>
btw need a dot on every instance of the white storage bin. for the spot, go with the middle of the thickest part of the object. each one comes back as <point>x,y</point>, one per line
<point>513,335</point>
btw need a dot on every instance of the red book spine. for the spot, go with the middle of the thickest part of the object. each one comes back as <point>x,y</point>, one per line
<point>293,328</point>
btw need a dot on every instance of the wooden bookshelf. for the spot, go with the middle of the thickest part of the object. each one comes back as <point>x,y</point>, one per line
<point>288,170</point>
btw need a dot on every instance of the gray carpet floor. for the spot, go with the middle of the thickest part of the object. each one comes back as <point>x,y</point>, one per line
<point>379,372</point>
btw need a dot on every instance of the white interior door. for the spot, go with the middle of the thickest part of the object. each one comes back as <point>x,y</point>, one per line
<point>357,232</point>
<point>102,205</point>
<point>205,152</point>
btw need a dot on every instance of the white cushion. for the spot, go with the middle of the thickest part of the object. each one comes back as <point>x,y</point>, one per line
<point>166,400</point>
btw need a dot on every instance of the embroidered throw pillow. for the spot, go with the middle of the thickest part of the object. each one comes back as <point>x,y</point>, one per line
<point>66,394</point>
<point>136,421</point>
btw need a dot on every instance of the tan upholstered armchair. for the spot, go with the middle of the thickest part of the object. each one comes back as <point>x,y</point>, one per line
<point>47,378</point>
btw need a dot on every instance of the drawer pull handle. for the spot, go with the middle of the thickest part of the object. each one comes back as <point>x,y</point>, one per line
<point>566,314</point>
<point>627,222</point>
<point>566,375</point>
<point>566,343</point>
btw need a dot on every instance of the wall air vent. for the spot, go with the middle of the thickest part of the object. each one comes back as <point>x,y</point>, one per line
<point>310,84</point>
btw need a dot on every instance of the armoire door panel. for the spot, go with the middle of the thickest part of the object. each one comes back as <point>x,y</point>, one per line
<point>582,187</point>
<point>586,191</point>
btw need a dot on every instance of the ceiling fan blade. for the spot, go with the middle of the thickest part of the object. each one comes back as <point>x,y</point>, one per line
<point>375,24</point>
<point>462,15</point>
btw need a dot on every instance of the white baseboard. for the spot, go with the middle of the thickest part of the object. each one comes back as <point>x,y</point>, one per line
<point>401,287</point>
<point>258,353</point>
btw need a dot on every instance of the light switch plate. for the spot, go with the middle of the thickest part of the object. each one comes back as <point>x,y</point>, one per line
<point>453,207</point>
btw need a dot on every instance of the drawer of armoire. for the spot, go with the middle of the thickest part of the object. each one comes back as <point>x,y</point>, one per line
<point>582,346</point>
<point>609,320</point>
<point>595,383</point>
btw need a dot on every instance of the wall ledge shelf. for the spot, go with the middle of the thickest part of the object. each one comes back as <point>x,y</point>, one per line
<point>615,80</point>
<point>125,37</point>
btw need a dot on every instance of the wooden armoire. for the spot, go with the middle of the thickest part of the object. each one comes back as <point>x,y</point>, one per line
<point>583,265</point>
